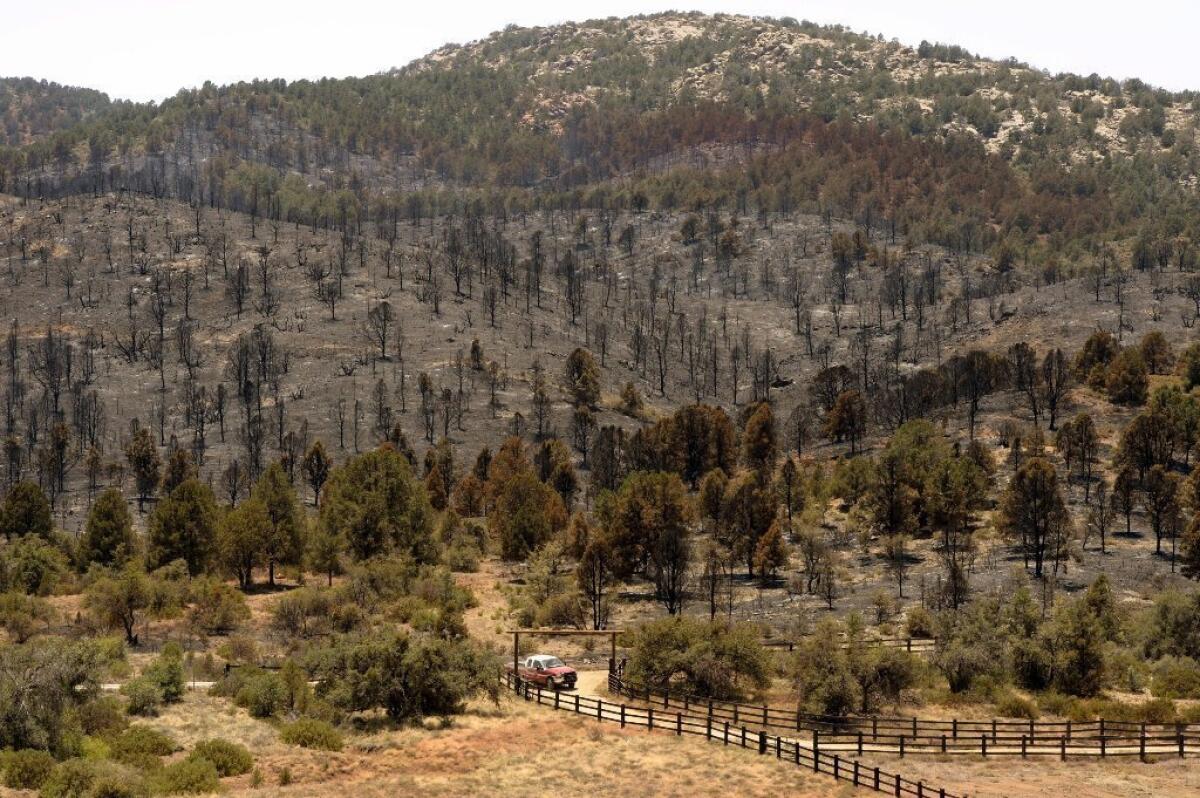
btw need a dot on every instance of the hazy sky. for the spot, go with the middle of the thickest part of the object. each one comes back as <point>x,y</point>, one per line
<point>148,49</point>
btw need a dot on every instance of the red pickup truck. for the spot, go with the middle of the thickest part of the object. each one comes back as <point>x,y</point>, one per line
<point>547,671</point>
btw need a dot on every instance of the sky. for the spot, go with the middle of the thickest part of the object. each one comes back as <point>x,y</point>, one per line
<point>149,49</point>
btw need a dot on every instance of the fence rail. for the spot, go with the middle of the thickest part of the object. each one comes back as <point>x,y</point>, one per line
<point>914,645</point>
<point>880,734</point>
<point>726,733</point>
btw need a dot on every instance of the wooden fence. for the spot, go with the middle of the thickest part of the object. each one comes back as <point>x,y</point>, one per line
<point>881,734</point>
<point>913,645</point>
<point>726,733</point>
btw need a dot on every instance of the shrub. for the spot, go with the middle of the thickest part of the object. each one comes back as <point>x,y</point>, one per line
<point>71,779</point>
<point>304,612</point>
<point>22,616</point>
<point>312,733</point>
<point>408,676</point>
<point>1176,677</point>
<point>230,759</point>
<point>80,778</point>
<point>1015,706</point>
<point>141,741</point>
<point>44,681</point>
<point>27,769</point>
<point>262,695</point>
<point>240,649</point>
<point>144,696</point>
<point>217,608</point>
<point>189,776</point>
<point>33,566</point>
<point>918,622</point>
<point>116,784</point>
<point>102,715</point>
<point>463,557</point>
<point>166,673</point>
<point>711,659</point>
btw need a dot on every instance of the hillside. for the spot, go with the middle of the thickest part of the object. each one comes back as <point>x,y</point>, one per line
<point>31,110</point>
<point>674,110</point>
<point>856,383</point>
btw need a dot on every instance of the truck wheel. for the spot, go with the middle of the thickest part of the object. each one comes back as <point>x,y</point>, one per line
<point>551,683</point>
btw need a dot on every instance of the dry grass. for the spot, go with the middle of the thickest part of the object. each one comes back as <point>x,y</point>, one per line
<point>1008,778</point>
<point>515,750</point>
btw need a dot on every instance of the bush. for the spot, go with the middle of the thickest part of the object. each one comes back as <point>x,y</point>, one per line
<point>166,673</point>
<point>33,566</point>
<point>262,695</point>
<point>117,784</point>
<point>138,742</point>
<point>1176,677</point>
<point>144,696</point>
<point>230,759</point>
<point>44,681</point>
<point>71,779</point>
<point>463,558</point>
<point>217,608</point>
<point>304,612</point>
<point>918,622</point>
<point>27,769</point>
<point>312,733</point>
<point>102,715</point>
<point>241,650</point>
<point>189,776</point>
<point>710,659</point>
<point>1015,706</point>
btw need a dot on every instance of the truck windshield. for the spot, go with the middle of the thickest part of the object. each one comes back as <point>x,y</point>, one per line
<point>552,662</point>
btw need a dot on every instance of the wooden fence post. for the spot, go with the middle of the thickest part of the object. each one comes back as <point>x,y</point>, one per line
<point>1063,743</point>
<point>897,785</point>
<point>678,724</point>
<point>622,716</point>
<point>816,744</point>
<point>1023,739</point>
<point>837,761</point>
<point>1179,738</point>
<point>856,773</point>
<point>726,737</point>
<point>902,746</point>
<point>765,715</point>
<point>983,745</point>
<point>860,743</point>
<point>1142,744</point>
<point>650,718</point>
<point>762,743</point>
<point>876,782</point>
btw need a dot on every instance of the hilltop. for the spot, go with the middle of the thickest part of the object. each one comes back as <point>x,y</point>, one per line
<point>671,111</point>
